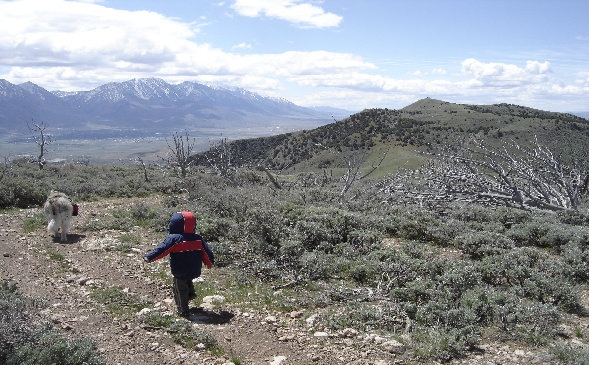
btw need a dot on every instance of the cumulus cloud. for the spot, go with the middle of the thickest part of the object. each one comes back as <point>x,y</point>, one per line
<point>294,11</point>
<point>55,32</point>
<point>502,75</point>
<point>42,40</point>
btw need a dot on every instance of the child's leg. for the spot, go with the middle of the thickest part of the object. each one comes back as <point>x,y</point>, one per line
<point>181,292</point>
<point>191,292</point>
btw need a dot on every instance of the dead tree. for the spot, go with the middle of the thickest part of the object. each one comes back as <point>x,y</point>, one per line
<point>145,176</point>
<point>271,177</point>
<point>180,151</point>
<point>353,172</point>
<point>219,158</point>
<point>515,175</point>
<point>39,134</point>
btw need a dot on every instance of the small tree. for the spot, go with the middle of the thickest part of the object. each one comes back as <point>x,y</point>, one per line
<point>353,173</point>
<point>219,158</point>
<point>145,176</point>
<point>39,134</point>
<point>180,150</point>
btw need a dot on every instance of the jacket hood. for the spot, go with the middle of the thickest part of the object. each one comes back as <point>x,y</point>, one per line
<point>182,222</point>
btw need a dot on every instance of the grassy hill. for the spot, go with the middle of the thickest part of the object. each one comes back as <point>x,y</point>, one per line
<point>424,125</point>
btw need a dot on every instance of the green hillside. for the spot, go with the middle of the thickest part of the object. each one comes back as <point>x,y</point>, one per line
<point>425,125</point>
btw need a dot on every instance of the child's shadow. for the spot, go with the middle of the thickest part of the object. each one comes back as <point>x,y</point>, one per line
<point>71,239</point>
<point>199,315</point>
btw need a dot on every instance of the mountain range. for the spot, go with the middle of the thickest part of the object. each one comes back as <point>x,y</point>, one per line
<point>149,106</point>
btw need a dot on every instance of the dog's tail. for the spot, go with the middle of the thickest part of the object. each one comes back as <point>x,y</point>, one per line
<point>53,226</point>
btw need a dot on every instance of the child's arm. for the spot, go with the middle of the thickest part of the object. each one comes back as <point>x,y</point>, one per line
<point>160,251</point>
<point>208,251</point>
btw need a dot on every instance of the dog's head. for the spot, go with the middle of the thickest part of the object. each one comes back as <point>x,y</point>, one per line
<point>56,194</point>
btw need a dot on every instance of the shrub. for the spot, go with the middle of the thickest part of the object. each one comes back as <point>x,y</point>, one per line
<point>384,316</point>
<point>224,253</point>
<point>441,344</point>
<point>541,233</point>
<point>576,256</point>
<point>364,240</point>
<point>569,354</point>
<point>38,221</point>
<point>184,334</point>
<point>119,302</point>
<point>217,229</point>
<point>157,319</point>
<point>480,244</point>
<point>51,347</point>
<point>23,340</point>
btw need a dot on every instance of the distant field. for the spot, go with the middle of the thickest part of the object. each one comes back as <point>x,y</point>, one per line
<point>109,151</point>
<point>117,150</point>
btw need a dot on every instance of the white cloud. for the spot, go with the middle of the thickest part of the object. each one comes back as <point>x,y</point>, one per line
<point>242,46</point>
<point>43,40</point>
<point>294,11</point>
<point>55,32</point>
<point>502,75</point>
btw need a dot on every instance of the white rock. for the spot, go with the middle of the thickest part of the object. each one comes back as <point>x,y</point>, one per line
<point>143,311</point>
<point>349,332</point>
<point>311,320</point>
<point>277,360</point>
<point>519,353</point>
<point>296,314</point>
<point>270,319</point>
<point>320,334</point>
<point>214,299</point>
<point>394,347</point>
<point>200,346</point>
<point>379,340</point>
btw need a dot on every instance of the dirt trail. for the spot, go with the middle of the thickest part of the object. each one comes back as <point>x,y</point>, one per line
<point>65,275</point>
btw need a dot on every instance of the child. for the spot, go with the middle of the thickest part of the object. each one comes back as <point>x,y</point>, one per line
<point>187,253</point>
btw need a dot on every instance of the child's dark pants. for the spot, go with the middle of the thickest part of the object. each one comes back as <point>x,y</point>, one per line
<point>183,293</point>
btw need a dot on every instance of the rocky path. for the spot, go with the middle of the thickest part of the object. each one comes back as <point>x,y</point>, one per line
<point>68,276</point>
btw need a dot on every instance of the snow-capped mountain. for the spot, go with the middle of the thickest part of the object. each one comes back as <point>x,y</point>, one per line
<point>150,105</point>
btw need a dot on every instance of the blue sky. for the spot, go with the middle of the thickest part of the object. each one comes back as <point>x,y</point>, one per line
<point>340,53</point>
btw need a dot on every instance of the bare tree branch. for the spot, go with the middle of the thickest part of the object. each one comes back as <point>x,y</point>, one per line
<point>513,174</point>
<point>41,139</point>
<point>219,158</point>
<point>144,169</point>
<point>180,152</point>
<point>353,173</point>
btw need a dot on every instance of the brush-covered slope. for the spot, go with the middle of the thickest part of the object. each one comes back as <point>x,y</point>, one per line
<point>426,124</point>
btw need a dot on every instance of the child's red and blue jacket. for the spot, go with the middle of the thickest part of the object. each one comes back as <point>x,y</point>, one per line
<point>187,249</point>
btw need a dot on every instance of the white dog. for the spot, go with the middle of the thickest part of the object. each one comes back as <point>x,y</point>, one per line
<point>58,210</point>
